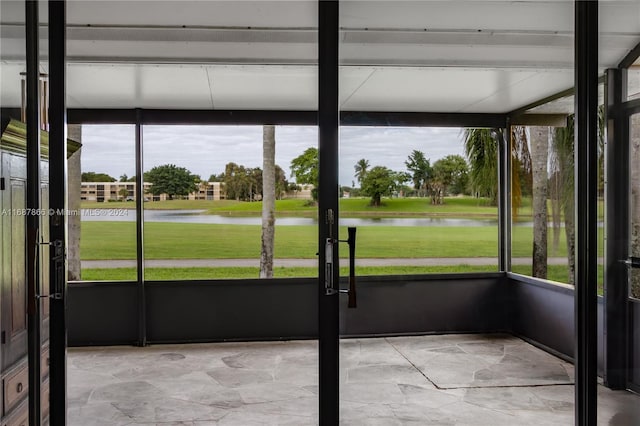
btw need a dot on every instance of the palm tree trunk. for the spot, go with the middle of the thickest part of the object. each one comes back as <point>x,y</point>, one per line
<point>74,184</point>
<point>555,212</point>
<point>539,157</point>
<point>570,233</point>
<point>268,200</point>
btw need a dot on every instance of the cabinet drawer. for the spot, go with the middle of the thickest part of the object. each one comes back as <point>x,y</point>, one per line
<point>16,387</point>
<point>18,418</point>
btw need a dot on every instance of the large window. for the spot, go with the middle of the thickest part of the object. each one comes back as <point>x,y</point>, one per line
<point>543,200</point>
<point>204,198</point>
<point>423,200</point>
<point>102,227</point>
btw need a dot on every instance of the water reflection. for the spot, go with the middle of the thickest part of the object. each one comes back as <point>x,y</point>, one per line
<point>198,216</point>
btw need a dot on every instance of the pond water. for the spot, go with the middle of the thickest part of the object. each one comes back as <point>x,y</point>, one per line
<point>198,216</point>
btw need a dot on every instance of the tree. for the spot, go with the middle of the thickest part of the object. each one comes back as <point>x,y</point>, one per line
<point>400,179</point>
<point>124,178</point>
<point>123,193</point>
<point>481,149</point>
<point>420,169</point>
<point>447,172</point>
<point>216,177</point>
<point>521,180</point>
<point>235,177</point>
<point>539,158</point>
<point>96,177</point>
<point>268,200</point>
<point>281,182</point>
<point>254,183</point>
<point>377,182</point>
<point>361,169</point>
<point>305,169</point>
<point>293,188</point>
<point>171,180</point>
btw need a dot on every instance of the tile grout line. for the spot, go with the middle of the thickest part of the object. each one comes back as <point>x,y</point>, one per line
<point>473,387</point>
<point>413,365</point>
<point>537,385</point>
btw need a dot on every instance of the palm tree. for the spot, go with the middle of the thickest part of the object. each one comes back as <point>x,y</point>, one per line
<point>481,148</point>
<point>268,200</point>
<point>521,167</point>
<point>361,169</point>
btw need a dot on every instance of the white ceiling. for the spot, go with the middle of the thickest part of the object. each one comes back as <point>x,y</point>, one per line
<point>436,56</point>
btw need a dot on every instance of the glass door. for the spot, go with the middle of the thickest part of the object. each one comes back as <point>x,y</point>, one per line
<point>419,158</point>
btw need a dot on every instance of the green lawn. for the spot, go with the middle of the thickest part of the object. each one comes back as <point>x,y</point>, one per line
<point>116,240</point>
<point>555,273</point>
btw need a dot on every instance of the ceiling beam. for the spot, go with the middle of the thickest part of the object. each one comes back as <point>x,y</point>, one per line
<point>279,117</point>
<point>551,120</point>
<point>631,57</point>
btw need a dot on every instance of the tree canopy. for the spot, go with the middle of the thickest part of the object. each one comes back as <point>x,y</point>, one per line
<point>377,182</point>
<point>305,169</point>
<point>481,148</point>
<point>420,169</point>
<point>96,177</point>
<point>361,169</point>
<point>449,175</point>
<point>245,183</point>
<point>171,180</point>
<point>216,177</point>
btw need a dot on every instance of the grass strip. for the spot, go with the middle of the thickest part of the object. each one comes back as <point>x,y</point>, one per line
<point>555,272</point>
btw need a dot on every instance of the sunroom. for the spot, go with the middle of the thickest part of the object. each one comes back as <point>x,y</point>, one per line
<point>497,283</point>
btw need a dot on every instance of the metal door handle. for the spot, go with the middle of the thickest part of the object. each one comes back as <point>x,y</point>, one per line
<point>351,240</point>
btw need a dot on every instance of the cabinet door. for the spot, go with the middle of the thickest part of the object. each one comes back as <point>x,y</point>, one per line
<point>18,251</point>
<point>14,291</point>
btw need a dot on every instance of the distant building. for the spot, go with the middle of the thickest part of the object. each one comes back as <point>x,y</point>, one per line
<point>113,191</point>
<point>303,193</point>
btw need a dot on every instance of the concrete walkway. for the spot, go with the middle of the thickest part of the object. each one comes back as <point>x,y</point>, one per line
<point>213,263</point>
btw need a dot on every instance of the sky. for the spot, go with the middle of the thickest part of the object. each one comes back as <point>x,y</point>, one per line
<point>205,150</point>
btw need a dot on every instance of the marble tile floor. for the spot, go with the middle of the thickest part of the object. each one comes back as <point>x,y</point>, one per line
<point>420,380</point>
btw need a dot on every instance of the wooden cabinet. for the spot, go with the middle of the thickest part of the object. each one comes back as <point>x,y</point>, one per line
<point>14,371</point>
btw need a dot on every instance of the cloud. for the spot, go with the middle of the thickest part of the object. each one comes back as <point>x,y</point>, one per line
<point>205,150</point>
